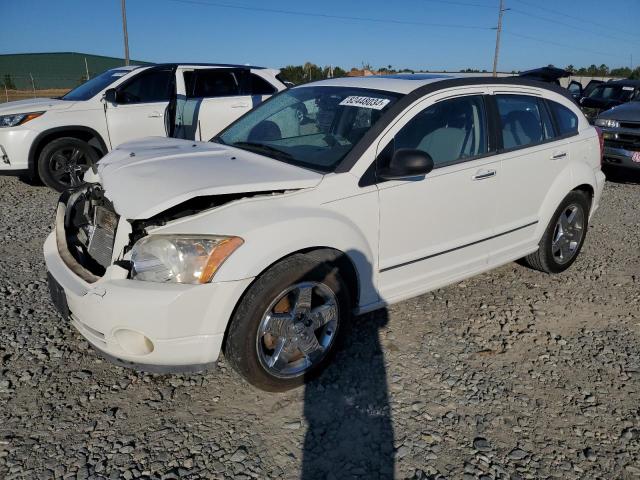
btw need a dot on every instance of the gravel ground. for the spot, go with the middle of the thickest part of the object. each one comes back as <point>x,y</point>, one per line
<point>512,374</point>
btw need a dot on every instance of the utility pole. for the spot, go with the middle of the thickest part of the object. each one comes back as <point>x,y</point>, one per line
<point>124,30</point>
<point>86,67</point>
<point>498,32</point>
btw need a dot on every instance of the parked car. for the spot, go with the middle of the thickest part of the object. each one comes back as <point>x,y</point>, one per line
<point>621,133</point>
<point>608,95</point>
<point>58,139</point>
<point>335,197</point>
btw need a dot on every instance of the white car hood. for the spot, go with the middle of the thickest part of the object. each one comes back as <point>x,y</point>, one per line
<point>34,105</point>
<point>148,176</point>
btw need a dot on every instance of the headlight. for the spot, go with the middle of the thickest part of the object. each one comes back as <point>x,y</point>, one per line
<point>17,118</point>
<point>607,123</point>
<point>181,258</point>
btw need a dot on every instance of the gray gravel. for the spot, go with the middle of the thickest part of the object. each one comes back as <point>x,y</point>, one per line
<point>513,374</point>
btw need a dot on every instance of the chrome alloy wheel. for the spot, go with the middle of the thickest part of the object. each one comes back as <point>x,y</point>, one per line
<point>568,233</point>
<point>297,329</point>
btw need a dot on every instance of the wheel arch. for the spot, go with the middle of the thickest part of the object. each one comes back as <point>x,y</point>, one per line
<point>80,132</point>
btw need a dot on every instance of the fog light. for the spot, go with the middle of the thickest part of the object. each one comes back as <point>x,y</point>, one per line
<point>133,342</point>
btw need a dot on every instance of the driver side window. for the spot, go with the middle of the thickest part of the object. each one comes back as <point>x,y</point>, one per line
<point>449,131</point>
<point>148,87</point>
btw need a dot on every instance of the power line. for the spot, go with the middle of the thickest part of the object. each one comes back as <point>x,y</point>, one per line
<point>462,4</point>
<point>558,22</point>
<point>578,19</point>
<point>330,16</point>
<point>557,44</point>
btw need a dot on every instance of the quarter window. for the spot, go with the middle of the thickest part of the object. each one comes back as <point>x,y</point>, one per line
<point>148,87</point>
<point>259,86</point>
<point>525,121</point>
<point>566,120</point>
<point>449,131</point>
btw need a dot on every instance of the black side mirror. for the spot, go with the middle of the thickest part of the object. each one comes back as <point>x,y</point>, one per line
<point>111,96</point>
<point>407,163</point>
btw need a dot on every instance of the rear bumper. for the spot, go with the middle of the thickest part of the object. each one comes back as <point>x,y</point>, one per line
<point>619,157</point>
<point>597,194</point>
<point>145,325</point>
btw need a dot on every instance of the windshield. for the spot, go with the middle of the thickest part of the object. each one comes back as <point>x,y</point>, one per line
<point>621,93</point>
<point>95,85</point>
<point>312,127</point>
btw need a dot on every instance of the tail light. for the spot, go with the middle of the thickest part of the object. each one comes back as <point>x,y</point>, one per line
<point>601,139</point>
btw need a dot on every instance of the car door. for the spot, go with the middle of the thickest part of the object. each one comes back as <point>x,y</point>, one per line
<point>209,99</point>
<point>434,229</point>
<point>140,107</point>
<point>531,158</point>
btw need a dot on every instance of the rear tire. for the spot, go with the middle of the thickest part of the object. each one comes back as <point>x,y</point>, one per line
<point>564,236</point>
<point>275,298</point>
<point>63,161</point>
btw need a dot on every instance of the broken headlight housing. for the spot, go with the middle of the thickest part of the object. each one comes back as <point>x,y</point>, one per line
<point>180,258</point>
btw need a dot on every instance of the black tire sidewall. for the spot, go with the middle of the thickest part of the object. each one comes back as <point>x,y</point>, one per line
<point>240,344</point>
<point>576,197</point>
<point>43,160</point>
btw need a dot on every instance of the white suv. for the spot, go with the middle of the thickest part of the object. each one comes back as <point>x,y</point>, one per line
<point>331,198</point>
<point>58,139</point>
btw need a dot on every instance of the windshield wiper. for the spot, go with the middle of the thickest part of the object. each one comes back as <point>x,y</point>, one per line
<point>262,148</point>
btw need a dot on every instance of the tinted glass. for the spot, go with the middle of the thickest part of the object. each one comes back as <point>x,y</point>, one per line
<point>152,86</point>
<point>524,121</point>
<point>449,131</point>
<point>621,93</point>
<point>566,120</point>
<point>259,86</point>
<point>90,88</point>
<point>314,127</point>
<point>211,83</point>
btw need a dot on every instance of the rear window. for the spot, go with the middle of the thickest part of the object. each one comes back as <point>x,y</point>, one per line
<point>566,120</point>
<point>524,120</point>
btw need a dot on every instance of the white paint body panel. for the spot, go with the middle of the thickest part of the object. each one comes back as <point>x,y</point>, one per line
<point>445,227</point>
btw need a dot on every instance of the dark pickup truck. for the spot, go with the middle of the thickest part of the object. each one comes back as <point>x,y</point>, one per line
<point>621,131</point>
<point>608,95</point>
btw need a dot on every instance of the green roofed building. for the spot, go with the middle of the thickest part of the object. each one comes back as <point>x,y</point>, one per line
<point>53,70</point>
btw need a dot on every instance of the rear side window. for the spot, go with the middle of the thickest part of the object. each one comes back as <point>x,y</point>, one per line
<point>259,86</point>
<point>148,87</point>
<point>449,131</point>
<point>211,83</point>
<point>524,119</point>
<point>566,120</point>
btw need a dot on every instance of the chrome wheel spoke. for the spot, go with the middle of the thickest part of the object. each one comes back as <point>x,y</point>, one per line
<point>76,155</point>
<point>280,358</point>
<point>322,315</point>
<point>303,299</point>
<point>276,324</point>
<point>309,346</point>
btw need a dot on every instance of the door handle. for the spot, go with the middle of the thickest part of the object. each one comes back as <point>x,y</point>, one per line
<point>154,115</point>
<point>558,156</point>
<point>482,175</point>
<point>240,105</point>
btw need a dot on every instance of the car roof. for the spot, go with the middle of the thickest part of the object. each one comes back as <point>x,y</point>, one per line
<point>416,83</point>
<point>624,81</point>
<point>200,64</point>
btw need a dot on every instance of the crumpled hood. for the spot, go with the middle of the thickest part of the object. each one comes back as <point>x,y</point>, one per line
<point>629,112</point>
<point>148,176</point>
<point>34,105</point>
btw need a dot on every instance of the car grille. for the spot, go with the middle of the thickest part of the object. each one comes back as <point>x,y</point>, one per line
<point>630,125</point>
<point>90,228</point>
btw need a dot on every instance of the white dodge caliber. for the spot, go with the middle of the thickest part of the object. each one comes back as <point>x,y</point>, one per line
<point>330,199</point>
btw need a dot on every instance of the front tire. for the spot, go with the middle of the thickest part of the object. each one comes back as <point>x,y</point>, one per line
<point>286,327</point>
<point>564,236</point>
<point>63,161</point>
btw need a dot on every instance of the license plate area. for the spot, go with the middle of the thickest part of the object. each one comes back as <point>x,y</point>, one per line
<point>58,297</point>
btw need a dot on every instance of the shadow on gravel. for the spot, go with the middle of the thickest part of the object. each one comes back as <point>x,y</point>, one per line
<point>350,430</point>
<point>622,175</point>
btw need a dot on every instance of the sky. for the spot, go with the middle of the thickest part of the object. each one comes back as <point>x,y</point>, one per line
<point>416,34</point>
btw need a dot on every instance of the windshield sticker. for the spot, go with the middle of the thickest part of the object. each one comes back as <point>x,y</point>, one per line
<point>365,102</point>
<point>119,74</point>
<point>627,88</point>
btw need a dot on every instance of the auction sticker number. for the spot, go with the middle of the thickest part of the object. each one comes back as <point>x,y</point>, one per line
<point>365,102</point>
<point>636,157</point>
